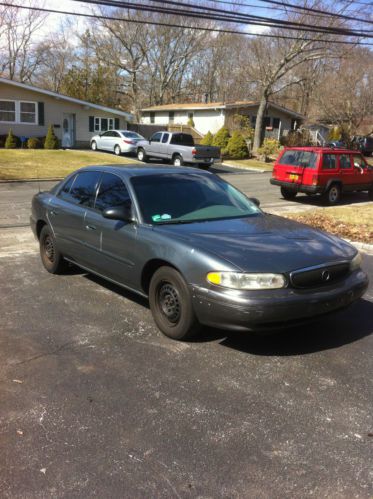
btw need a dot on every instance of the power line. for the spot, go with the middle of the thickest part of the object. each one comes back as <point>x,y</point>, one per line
<point>307,9</point>
<point>173,25</point>
<point>228,17</point>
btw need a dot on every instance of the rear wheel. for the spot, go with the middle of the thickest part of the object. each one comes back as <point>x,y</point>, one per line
<point>141,155</point>
<point>287,193</point>
<point>177,160</point>
<point>94,145</point>
<point>171,304</point>
<point>51,258</point>
<point>332,195</point>
<point>117,150</point>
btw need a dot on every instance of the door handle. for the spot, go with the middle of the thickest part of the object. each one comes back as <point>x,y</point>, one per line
<point>54,212</point>
<point>90,227</point>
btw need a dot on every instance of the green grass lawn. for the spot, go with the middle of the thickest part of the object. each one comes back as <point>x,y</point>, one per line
<point>250,163</point>
<point>17,164</point>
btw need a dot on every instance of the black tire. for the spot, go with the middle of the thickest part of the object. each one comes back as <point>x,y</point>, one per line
<point>177,160</point>
<point>333,195</point>
<point>117,150</point>
<point>51,258</point>
<point>287,193</point>
<point>141,155</point>
<point>94,145</point>
<point>171,304</point>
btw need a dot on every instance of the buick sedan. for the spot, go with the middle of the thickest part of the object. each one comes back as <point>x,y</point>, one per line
<point>199,250</point>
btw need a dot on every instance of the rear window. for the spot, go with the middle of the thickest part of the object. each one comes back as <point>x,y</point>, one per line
<point>305,159</point>
<point>182,139</point>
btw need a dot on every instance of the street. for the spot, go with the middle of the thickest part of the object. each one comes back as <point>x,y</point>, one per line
<point>96,402</point>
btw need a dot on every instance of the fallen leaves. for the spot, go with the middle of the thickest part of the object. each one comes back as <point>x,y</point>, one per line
<point>355,232</point>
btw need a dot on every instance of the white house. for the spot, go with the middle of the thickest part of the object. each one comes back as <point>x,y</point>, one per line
<point>29,110</point>
<point>213,115</point>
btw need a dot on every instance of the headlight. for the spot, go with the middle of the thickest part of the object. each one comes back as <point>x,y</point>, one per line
<point>356,262</point>
<point>238,280</point>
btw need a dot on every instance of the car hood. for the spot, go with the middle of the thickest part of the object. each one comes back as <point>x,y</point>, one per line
<point>263,243</point>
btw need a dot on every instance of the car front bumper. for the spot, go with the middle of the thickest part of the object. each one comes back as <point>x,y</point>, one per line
<point>291,186</point>
<point>273,309</point>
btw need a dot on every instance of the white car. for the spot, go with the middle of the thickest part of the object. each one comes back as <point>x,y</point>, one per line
<point>117,141</point>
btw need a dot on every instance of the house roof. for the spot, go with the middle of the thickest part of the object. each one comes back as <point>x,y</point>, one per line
<point>127,116</point>
<point>191,106</point>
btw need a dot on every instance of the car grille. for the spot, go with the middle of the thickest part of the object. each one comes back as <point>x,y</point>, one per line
<point>322,275</point>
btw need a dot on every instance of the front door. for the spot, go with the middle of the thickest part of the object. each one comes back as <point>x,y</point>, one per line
<point>68,130</point>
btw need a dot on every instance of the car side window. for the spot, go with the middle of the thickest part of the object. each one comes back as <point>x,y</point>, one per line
<point>165,138</point>
<point>83,191</point>
<point>358,161</point>
<point>329,162</point>
<point>106,134</point>
<point>156,137</point>
<point>65,191</point>
<point>112,192</point>
<point>344,161</point>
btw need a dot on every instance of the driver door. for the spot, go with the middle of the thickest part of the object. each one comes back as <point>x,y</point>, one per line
<point>154,144</point>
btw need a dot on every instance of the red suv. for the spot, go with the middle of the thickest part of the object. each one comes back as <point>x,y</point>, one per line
<point>321,170</point>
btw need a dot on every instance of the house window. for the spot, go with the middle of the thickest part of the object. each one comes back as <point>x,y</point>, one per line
<point>152,117</point>
<point>171,116</point>
<point>7,111</point>
<point>253,121</point>
<point>103,124</point>
<point>276,123</point>
<point>18,112</point>
<point>266,121</point>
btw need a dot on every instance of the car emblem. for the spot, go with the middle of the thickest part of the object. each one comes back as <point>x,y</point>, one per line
<point>325,276</point>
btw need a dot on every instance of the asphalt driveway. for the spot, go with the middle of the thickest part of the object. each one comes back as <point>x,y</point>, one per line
<point>95,402</point>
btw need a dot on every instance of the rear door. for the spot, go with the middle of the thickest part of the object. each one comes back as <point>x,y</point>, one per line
<point>67,210</point>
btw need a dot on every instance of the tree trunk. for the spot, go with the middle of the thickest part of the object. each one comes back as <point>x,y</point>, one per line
<point>259,121</point>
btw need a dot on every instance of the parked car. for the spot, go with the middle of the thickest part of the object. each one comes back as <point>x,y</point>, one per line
<point>178,148</point>
<point>363,144</point>
<point>117,141</point>
<point>199,249</point>
<point>320,170</point>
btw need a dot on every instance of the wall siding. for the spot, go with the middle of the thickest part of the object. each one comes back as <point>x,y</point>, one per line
<point>54,110</point>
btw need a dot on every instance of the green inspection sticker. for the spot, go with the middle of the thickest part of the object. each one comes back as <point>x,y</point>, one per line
<point>157,218</point>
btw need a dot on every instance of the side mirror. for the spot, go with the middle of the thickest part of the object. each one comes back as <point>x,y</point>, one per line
<point>123,213</point>
<point>255,201</point>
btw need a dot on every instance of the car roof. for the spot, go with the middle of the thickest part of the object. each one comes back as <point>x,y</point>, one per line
<point>127,171</point>
<point>322,149</point>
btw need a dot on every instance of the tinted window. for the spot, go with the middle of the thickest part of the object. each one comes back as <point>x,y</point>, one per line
<point>107,134</point>
<point>344,161</point>
<point>112,192</point>
<point>165,138</point>
<point>329,162</point>
<point>305,159</point>
<point>132,135</point>
<point>182,198</point>
<point>182,139</point>
<point>65,191</point>
<point>84,188</point>
<point>156,137</point>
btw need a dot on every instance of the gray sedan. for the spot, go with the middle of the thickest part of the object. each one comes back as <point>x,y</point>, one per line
<point>199,249</point>
<point>117,141</point>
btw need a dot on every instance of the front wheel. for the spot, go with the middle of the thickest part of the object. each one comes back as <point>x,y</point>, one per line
<point>333,195</point>
<point>51,258</point>
<point>94,145</point>
<point>287,193</point>
<point>117,150</point>
<point>171,304</point>
<point>141,155</point>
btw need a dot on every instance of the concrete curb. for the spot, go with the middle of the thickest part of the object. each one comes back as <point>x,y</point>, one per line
<point>14,181</point>
<point>245,168</point>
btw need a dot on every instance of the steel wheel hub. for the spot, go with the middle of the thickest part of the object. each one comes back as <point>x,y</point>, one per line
<point>169,302</point>
<point>49,248</point>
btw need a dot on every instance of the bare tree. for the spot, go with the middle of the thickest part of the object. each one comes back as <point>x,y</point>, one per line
<point>18,46</point>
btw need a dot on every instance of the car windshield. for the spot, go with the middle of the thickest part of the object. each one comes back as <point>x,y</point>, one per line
<point>185,198</point>
<point>132,135</point>
<point>306,159</point>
